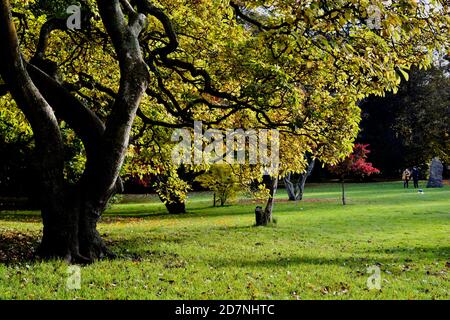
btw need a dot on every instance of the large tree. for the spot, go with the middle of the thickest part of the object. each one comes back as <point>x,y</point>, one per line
<point>70,213</point>
<point>292,65</point>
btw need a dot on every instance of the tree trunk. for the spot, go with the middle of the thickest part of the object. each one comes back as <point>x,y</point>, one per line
<point>259,216</point>
<point>70,215</point>
<point>290,187</point>
<point>301,187</point>
<point>72,232</point>
<point>296,188</point>
<point>174,205</point>
<point>60,235</point>
<point>343,191</point>
<point>49,146</point>
<point>223,198</point>
<point>266,215</point>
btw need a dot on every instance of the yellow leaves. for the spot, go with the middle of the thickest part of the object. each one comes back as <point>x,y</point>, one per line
<point>392,20</point>
<point>309,16</point>
<point>404,73</point>
<point>334,14</point>
<point>313,69</point>
<point>13,123</point>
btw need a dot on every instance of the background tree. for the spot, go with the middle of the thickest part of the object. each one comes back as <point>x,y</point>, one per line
<point>410,128</point>
<point>221,180</point>
<point>422,122</point>
<point>149,160</point>
<point>354,165</point>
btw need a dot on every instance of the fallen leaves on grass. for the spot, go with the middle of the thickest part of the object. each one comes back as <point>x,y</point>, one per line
<point>16,246</point>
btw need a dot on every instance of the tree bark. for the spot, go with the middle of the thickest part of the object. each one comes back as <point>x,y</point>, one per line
<point>290,187</point>
<point>343,191</point>
<point>305,176</point>
<point>267,216</point>
<point>296,187</point>
<point>102,172</point>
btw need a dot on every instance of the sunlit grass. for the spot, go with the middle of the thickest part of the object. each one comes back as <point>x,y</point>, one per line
<point>318,249</point>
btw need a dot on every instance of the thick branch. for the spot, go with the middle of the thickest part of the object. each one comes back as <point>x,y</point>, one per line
<point>82,120</point>
<point>145,7</point>
<point>40,115</point>
<point>44,35</point>
<point>103,171</point>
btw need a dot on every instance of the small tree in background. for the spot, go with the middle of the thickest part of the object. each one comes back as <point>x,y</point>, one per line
<point>355,165</point>
<point>221,180</point>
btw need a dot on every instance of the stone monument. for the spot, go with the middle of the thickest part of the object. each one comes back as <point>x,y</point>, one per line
<point>436,169</point>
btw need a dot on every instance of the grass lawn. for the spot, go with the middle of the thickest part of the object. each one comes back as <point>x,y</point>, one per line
<point>318,249</point>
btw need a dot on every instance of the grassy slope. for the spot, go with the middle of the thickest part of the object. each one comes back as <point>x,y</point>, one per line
<point>317,250</point>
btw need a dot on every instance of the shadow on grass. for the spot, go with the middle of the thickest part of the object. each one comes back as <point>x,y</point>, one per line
<point>20,216</point>
<point>192,213</point>
<point>409,253</point>
<point>357,260</point>
<point>16,247</point>
<point>19,248</point>
<point>150,212</point>
<point>275,262</point>
<point>146,248</point>
<point>208,211</point>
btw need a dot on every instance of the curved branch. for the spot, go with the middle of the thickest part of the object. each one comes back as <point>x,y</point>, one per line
<point>103,172</point>
<point>82,120</point>
<point>45,126</point>
<point>44,35</point>
<point>86,124</point>
<point>145,7</point>
<point>259,25</point>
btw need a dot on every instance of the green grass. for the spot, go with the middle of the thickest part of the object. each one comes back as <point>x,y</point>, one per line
<point>318,249</point>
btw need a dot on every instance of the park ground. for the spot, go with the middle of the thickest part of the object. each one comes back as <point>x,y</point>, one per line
<point>318,249</point>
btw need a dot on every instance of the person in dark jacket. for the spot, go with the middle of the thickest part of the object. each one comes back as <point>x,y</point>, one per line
<point>415,177</point>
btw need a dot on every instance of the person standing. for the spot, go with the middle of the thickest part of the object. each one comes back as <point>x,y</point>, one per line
<point>405,177</point>
<point>415,177</point>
